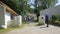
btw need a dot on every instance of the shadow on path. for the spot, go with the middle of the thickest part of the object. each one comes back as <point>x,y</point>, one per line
<point>39,24</point>
<point>43,27</point>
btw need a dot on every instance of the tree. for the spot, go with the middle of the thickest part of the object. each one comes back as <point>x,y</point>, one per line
<point>20,6</point>
<point>14,4</point>
<point>24,7</point>
<point>48,3</point>
<point>43,4</point>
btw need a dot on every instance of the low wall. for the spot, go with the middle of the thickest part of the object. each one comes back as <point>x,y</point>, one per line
<point>16,22</point>
<point>41,19</point>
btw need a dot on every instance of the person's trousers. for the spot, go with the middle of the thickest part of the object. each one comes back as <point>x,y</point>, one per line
<point>47,24</point>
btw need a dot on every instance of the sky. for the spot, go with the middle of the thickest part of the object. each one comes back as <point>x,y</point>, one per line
<point>58,3</point>
<point>32,1</point>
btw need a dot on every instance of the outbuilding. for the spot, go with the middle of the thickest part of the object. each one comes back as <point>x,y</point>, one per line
<point>6,14</point>
<point>50,11</point>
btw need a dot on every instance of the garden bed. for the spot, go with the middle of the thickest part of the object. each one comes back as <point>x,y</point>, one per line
<point>56,23</point>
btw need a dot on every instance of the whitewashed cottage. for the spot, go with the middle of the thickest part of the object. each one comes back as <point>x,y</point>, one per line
<point>50,11</point>
<point>6,15</point>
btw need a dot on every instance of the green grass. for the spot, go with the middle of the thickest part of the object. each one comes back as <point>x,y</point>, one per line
<point>2,30</point>
<point>8,29</point>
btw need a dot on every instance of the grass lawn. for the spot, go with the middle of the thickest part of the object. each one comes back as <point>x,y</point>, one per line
<point>2,30</point>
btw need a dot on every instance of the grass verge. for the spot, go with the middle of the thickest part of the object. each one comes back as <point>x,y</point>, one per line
<point>2,30</point>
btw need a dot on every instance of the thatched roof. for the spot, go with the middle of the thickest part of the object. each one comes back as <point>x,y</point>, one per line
<point>32,15</point>
<point>8,9</point>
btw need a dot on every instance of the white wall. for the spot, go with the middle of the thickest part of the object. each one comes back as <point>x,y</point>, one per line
<point>7,18</point>
<point>1,15</point>
<point>18,20</point>
<point>42,20</point>
<point>51,11</point>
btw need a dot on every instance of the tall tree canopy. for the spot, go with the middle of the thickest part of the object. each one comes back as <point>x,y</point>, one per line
<point>43,4</point>
<point>14,4</point>
<point>20,6</point>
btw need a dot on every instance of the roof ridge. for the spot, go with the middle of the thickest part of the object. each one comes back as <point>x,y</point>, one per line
<point>8,8</point>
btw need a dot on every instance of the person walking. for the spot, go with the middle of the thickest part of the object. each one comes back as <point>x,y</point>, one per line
<point>47,20</point>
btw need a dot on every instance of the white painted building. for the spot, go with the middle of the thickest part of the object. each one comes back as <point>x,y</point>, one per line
<point>50,11</point>
<point>5,15</point>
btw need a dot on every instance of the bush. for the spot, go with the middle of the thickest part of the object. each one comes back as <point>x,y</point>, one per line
<point>1,28</point>
<point>57,23</point>
<point>54,18</point>
<point>58,18</point>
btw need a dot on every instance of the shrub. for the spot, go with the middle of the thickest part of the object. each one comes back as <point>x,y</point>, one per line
<point>58,18</point>
<point>54,18</point>
<point>1,28</point>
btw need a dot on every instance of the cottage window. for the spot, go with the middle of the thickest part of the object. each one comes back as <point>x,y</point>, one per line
<point>12,17</point>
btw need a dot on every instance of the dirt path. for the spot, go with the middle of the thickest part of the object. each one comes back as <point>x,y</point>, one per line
<point>30,29</point>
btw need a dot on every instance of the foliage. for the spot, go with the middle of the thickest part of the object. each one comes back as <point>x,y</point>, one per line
<point>56,23</point>
<point>54,18</point>
<point>48,3</point>
<point>58,17</point>
<point>43,4</point>
<point>20,6</point>
<point>14,4</point>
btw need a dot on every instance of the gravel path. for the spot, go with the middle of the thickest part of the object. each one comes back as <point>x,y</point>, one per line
<point>30,29</point>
